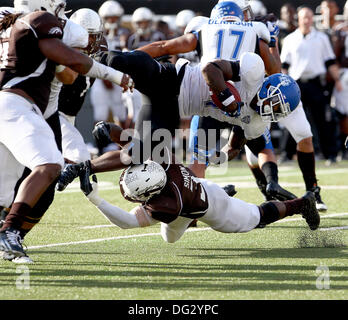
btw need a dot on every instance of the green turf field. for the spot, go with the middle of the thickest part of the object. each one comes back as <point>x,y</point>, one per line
<point>79,255</point>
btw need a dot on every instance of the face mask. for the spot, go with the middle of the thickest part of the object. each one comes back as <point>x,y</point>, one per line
<point>110,26</point>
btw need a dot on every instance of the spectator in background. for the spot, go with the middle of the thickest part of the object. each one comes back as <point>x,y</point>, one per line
<point>307,55</point>
<point>287,25</point>
<point>182,20</point>
<point>328,10</point>
<point>163,27</point>
<point>144,32</point>
<point>111,13</point>
<point>287,22</point>
<point>340,44</point>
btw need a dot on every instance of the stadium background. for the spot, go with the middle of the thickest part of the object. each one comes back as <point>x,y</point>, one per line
<point>174,6</point>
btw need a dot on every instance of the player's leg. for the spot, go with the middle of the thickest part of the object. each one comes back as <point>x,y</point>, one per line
<point>253,163</point>
<point>100,100</point>
<point>298,126</point>
<point>263,148</point>
<point>173,231</point>
<point>31,141</point>
<point>231,215</point>
<point>73,144</point>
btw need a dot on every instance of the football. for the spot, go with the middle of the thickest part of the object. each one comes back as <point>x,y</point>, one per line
<point>234,91</point>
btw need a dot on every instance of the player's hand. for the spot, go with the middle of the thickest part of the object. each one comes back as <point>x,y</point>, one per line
<point>101,133</point>
<point>233,109</point>
<point>70,172</point>
<point>346,143</point>
<point>127,83</point>
<point>273,29</point>
<point>90,189</point>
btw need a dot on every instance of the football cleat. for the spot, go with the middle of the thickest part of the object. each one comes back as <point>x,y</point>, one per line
<point>11,242</point>
<point>275,191</point>
<point>230,189</point>
<point>321,206</point>
<point>101,133</point>
<point>310,213</point>
<point>71,172</point>
<point>23,260</point>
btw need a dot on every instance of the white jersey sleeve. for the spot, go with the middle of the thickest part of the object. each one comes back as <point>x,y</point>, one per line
<point>262,31</point>
<point>196,24</point>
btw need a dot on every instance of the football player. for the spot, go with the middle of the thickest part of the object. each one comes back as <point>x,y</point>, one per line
<point>75,36</point>
<point>297,124</point>
<point>190,95</point>
<point>25,79</point>
<point>172,195</point>
<point>226,36</point>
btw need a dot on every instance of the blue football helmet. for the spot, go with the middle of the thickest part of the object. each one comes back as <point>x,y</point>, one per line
<point>278,97</point>
<point>227,10</point>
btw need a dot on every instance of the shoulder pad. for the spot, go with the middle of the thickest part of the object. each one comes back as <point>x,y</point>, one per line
<point>75,36</point>
<point>196,24</point>
<point>252,66</point>
<point>262,31</point>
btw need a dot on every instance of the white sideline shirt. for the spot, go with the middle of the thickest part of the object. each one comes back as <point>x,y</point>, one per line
<point>306,55</point>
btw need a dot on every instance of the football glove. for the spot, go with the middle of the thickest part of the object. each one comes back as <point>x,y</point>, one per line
<point>70,172</point>
<point>346,143</point>
<point>90,189</point>
<point>101,133</point>
<point>274,31</point>
<point>235,113</point>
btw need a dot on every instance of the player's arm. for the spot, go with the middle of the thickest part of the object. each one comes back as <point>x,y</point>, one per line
<point>138,217</point>
<point>65,75</point>
<point>270,57</point>
<point>186,43</point>
<point>235,143</point>
<point>216,73</point>
<point>57,51</point>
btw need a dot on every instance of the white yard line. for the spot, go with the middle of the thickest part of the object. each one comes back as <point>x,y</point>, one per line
<point>158,234</point>
<point>334,228</point>
<point>75,187</point>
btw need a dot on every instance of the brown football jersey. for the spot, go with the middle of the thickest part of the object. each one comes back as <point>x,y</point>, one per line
<point>23,66</point>
<point>183,195</point>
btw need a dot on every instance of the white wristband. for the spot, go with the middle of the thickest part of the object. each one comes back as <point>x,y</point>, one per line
<point>100,71</point>
<point>228,101</point>
<point>60,68</point>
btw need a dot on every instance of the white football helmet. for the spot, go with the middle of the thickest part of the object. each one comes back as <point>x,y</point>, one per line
<point>55,7</point>
<point>110,9</point>
<point>196,24</point>
<point>143,181</point>
<point>140,16</point>
<point>92,23</point>
<point>183,18</point>
<point>248,13</point>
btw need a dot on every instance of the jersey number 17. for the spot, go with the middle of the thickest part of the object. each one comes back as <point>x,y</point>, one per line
<point>239,35</point>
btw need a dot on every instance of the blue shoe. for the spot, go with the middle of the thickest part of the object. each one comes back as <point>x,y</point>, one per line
<point>11,242</point>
